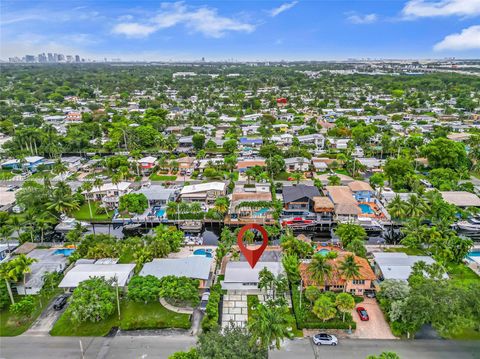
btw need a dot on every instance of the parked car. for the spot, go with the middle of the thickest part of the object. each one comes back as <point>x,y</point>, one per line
<point>60,302</point>
<point>362,313</point>
<point>204,301</point>
<point>370,294</point>
<point>325,339</point>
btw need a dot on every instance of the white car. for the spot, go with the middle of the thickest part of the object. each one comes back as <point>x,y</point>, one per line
<point>325,339</point>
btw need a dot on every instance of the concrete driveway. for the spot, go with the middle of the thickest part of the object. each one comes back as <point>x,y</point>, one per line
<point>376,327</point>
<point>45,321</point>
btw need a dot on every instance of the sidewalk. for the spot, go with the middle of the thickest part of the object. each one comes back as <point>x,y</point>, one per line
<point>185,310</point>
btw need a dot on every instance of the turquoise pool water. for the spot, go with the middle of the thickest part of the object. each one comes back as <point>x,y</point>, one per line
<point>474,254</point>
<point>160,212</point>
<point>203,252</point>
<point>366,208</point>
<point>323,252</point>
<point>64,251</point>
<point>261,211</point>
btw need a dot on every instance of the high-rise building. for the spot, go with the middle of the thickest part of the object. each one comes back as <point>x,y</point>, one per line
<point>29,58</point>
<point>61,58</point>
<point>42,58</point>
<point>50,57</point>
<point>77,58</point>
<point>69,58</point>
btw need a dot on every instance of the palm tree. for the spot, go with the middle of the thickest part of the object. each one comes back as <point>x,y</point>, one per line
<point>22,264</point>
<point>415,207</point>
<point>319,269</point>
<point>249,173</point>
<point>43,222</point>
<point>87,187</point>
<point>98,183</point>
<point>9,274</point>
<point>397,207</point>
<point>222,204</point>
<point>269,325</point>
<point>334,180</point>
<point>62,204</point>
<point>349,269</point>
<point>116,179</point>
<point>16,223</point>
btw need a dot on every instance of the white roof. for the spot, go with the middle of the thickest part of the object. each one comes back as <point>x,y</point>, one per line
<point>122,186</point>
<point>148,159</point>
<point>461,198</point>
<point>241,272</point>
<point>398,265</point>
<point>197,267</point>
<point>82,272</point>
<point>203,187</point>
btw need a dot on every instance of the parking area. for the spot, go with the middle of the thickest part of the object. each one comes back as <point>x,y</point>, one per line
<point>45,321</point>
<point>376,327</point>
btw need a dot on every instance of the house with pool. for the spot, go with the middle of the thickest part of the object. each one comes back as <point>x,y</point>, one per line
<point>158,198</point>
<point>251,204</point>
<point>337,281</point>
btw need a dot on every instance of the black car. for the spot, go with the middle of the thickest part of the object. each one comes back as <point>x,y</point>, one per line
<point>60,302</point>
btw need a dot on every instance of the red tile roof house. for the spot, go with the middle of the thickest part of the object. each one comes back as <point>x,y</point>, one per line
<point>337,282</point>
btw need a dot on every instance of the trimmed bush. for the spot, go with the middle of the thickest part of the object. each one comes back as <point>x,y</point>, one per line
<point>210,320</point>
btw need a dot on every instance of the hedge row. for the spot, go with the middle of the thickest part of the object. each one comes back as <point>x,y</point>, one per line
<point>210,320</point>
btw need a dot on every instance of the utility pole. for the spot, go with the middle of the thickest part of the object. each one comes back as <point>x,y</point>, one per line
<point>118,299</point>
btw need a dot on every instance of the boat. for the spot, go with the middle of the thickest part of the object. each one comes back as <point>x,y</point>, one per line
<point>191,226</point>
<point>131,226</point>
<point>67,224</point>
<point>193,240</point>
<point>298,222</point>
<point>370,224</point>
<point>468,225</point>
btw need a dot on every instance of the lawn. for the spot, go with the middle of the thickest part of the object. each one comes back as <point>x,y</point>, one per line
<point>133,316</point>
<point>6,175</point>
<point>83,213</point>
<point>467,334</point>
<point>157,177</point>
<point>462,274</point>
<point>12,325</point>
<point>283,176</point>
<point>406,250</point>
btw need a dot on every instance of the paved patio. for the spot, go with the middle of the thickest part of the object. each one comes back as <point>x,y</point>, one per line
<point>235,309</point>
<point>376,327</point>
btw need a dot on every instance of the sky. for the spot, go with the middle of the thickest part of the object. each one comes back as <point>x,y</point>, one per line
<point>242,30</point>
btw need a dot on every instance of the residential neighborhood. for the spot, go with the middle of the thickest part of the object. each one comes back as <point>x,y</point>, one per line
<point>122,199</point>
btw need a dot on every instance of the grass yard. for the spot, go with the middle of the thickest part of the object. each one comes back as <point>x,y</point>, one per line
<point>157,177</point>
<point>406,250</point>
<point>83,213</point>
<point>283,176</point>
<point>133,316</point>
<point>461,273</point>
<point>6,175</point>
<point>467,334</point>
<point>13,325</point>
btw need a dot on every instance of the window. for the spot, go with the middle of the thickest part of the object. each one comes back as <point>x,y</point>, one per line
<point>358,281</point>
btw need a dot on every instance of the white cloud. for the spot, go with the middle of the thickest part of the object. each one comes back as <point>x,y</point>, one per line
<point>284,7</point>
<point>468,39</point>
<point>362,19</point>
<point>422,8</point>
<point>204,20</point>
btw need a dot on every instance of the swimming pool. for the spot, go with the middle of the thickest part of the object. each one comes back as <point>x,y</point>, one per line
<point>64,251</point>
<point>474,256</point>
<point>323,251</point>
<point>203,252</point>
<point>366,209</point>
<point>160,212</point>
<point>261,211</point>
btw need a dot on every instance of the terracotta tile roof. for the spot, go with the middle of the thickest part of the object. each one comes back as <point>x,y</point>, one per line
<point>365,270</point>
<point>245,164</point>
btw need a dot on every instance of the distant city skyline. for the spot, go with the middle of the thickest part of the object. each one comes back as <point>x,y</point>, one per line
<point>241,30</point>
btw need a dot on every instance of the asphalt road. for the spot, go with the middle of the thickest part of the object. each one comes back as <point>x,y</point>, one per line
<point>119,347</point>
<point>361,348</point>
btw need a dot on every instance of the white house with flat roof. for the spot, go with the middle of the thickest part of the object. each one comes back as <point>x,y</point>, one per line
<point>81,272</point>
<point>203,192</point>
<point>397,265</point>
<point>239,276</point>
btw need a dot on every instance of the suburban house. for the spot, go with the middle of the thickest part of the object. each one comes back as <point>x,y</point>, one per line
<point>195,267</point>
<point>315,139</point>
<point>203,192</point>
<point>362,191</point>
<point>30,162</point>
<point>397,265</point>
<point>295,164</point>
<point>147,163</point>
<point>346,206</point>
<point>120,274</point>
<point>158,195</point>
<point>239,276</point>
<point>324,208</point>
<point>48,261</point>
<point>250,142</point>
<point>337,282</point>
<point>461,198</point>
<point>299,199</point>
<point>242,200</point>
<point>186,163</point>
<point>108,193</point>
<point>244,165</point>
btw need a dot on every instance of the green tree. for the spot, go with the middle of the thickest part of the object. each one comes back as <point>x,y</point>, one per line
<point>334,180</point>
<point>144,289</point>
<point>133,203</point>
<point>93,300</point>
<point>312,293</point>
<point>445,153</point>
<point>324,308</point>
<point>24,306</point>
<point>198,141</point>
<point>275,165</point>
<point>348,232</point>
<point>270,325</point>
<point>384,355</point>
<point>349,268</point>
<point>319,268</point>
<point>357,246</point>
<point>290,264</point>
<point>345,303</point>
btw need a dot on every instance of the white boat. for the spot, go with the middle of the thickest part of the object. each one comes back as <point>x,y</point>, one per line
<point>468,225</point>
<point>370,224</point>
<point>192,240</point>
<point>67,224</point>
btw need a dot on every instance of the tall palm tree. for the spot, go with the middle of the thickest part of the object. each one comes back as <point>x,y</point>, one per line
<point>98,183</point>
<point>22,265</point>
<point>319,268</point>
<point>87,187</point>
<point>269,326</point>
<point>9,274</point>
<point>43,222</point>
<point>349,269</point>
<point>62,204</point>
<point>16,223</point>
<point>416,206</point>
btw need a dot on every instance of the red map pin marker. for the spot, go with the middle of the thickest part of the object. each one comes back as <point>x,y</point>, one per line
<point>252,255</point>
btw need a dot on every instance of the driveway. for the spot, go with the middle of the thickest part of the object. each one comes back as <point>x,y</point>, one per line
<point>45,322</point>
<point>376,327</point>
